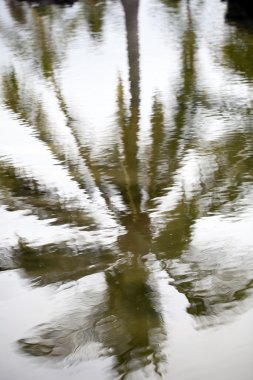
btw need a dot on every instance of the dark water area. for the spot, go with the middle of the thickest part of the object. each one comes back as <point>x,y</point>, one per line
<point>240,10</point>
<point>126,190</point>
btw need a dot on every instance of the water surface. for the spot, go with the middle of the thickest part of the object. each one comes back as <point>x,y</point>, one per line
<point>126,191</point>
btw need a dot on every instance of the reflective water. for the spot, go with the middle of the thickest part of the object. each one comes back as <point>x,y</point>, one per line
<point>126,191</point>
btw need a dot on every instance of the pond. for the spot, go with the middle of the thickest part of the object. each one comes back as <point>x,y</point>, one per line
<point>126,190</point>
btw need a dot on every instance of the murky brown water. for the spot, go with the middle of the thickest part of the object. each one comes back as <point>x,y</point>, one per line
<point>126,191</point>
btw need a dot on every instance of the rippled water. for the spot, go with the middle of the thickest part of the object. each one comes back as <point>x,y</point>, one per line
<point>126,191</point>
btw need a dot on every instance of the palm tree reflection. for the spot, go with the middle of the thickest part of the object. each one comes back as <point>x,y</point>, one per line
<point>127,323</point>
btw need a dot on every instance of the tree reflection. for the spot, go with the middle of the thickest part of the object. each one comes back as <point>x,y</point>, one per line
<point>127,324</point>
